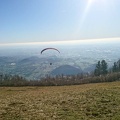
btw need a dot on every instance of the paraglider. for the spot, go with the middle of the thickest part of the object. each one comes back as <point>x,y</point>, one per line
<point>49,49</point>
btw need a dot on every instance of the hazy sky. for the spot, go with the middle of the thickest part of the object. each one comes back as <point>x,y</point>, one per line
<point>58,20</point>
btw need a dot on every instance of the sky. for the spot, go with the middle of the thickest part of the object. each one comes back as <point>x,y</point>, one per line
<point>26,21</point>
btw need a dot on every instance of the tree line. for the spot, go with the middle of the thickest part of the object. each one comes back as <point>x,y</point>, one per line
<point>102,68</point>
<point>100,74</point>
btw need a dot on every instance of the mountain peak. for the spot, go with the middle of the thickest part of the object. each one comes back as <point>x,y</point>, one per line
<point>66,70</point>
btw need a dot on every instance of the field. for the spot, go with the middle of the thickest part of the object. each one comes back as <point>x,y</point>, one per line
<point>78,102</point>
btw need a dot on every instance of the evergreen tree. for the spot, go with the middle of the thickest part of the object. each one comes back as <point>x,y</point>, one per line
<point>118,65</point>
<point>114,69</point>
<point>101,68</point>
<point>104,67</point>
<point>97,71</point>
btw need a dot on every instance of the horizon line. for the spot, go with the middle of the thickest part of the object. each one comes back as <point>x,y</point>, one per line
<point>62,42</point>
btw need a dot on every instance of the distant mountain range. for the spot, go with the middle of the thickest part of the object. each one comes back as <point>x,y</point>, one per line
<point>35,67</point>
<point>29,63</point>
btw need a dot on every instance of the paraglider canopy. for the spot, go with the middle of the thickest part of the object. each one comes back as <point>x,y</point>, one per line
<point>48,49</point>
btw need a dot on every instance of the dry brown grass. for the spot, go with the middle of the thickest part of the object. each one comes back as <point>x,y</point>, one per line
<point>79,102</point>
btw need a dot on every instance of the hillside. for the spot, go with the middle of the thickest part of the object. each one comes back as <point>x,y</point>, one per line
<point>90,68</point>
<point>66,70</point>
<point>78,102</point>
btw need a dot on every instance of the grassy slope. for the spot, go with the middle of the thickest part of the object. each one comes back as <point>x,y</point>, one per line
<point>82,102</point>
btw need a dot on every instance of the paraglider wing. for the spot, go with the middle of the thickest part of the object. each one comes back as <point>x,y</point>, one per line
<point>50,48</point>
